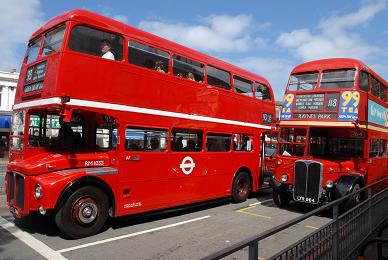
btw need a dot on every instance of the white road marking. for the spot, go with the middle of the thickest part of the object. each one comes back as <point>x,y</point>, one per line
<point>131,235</point>
<point>258,203</point>
<point>31,241</point>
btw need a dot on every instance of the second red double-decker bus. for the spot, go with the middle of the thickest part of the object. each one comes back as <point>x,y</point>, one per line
<point>333,132</point>
<point>110,120</point>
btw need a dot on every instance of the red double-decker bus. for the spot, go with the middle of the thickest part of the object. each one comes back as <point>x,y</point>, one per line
<point>110,120</point>
<point>333,132</point>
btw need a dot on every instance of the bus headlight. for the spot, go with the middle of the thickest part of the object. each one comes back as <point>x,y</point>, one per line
<point>38,192</point>
<point>284,178</point>
<point>279,162</point>
<point>329,184</point>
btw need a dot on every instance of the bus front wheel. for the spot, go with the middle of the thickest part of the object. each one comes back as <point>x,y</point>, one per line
<point>84,213</point>
<point>241,187</point>
<point>280,198</point>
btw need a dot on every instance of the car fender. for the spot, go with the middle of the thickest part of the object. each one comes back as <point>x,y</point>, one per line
<point>345,183</point>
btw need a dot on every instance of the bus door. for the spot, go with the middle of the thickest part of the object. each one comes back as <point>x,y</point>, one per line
<point>186,166</point>
<point>377,162</point>
<point>220,164</point>
<point>145,180</point>
<point>268,157</point>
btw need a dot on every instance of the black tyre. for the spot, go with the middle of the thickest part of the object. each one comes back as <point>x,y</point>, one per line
<point>241,187</point>
<point>280,198</point>
<point>84,213</point>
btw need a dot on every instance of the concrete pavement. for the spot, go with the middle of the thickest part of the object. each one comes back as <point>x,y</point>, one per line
<point>189,233</point>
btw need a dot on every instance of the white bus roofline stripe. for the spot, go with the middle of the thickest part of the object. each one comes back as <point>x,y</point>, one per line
<point>140,110</point>
<point>39,102</point>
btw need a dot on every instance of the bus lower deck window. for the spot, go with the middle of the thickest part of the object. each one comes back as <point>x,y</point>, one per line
<point>186,141</point>
<point>145,139</point>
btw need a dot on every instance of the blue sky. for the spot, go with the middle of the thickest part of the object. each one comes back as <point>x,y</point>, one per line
<point>265,37</point>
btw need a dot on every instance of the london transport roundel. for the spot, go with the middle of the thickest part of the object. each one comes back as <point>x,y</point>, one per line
<point>187,165</point>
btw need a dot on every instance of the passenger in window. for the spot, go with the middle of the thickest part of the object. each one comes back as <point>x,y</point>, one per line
<point>154,144</point>
<point>105,47</point>
<point>159,66</point>
<point>190,145</point>
<point>180,75</point>
<point>190,76</point>
<point>178,144</point>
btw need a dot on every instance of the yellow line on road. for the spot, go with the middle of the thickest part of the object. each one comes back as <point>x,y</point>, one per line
<point>312,227</point>
<point>243,210</point>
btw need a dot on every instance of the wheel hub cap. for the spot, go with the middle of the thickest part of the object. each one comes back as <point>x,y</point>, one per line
<point>85,211</point>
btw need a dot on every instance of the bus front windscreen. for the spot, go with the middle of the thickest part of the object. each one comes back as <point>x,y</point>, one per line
<point>305,81</point>
<point>292,141</point>
<point>336,79</point>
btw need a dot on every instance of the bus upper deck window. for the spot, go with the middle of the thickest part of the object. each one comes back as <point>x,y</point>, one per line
<point>186,68</point>
<point>243,86</point>
<point>375,87</point>
<point>261,91</point>
<point>363,81</point>
<point>33,50</point>
<point>90,41</point>
<point>53,40</point>
<point>148,57</point>
<point>336,79</point>
<point>218,78</point>
<point>305,81</point>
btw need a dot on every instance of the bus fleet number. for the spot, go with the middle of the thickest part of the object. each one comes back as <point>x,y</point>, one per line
<point>94,163</point>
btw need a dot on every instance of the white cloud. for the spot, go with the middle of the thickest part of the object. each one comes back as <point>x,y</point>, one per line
<point>261,43</point>
<point>120,18</point>
<point>18,20</point>
<point>276,71</point>
<point>334,38</point>
<point>218,33</point>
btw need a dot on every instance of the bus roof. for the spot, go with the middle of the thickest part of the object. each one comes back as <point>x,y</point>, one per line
<point>335,63</point>
<point>109,24</point>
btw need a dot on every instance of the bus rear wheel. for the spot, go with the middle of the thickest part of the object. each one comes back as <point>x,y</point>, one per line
<point>280,198</point>
<point>241,187</point>
<point>84,213</point>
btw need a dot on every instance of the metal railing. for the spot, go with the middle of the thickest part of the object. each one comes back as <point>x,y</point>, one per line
<point>338,239</point>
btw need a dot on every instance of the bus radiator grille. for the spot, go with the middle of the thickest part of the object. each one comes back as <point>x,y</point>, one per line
<point>307,181</point>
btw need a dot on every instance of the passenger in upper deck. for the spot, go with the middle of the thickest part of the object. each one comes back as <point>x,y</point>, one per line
<point>159,66</point>
<point>105,47</point>
<point>190,76</point>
